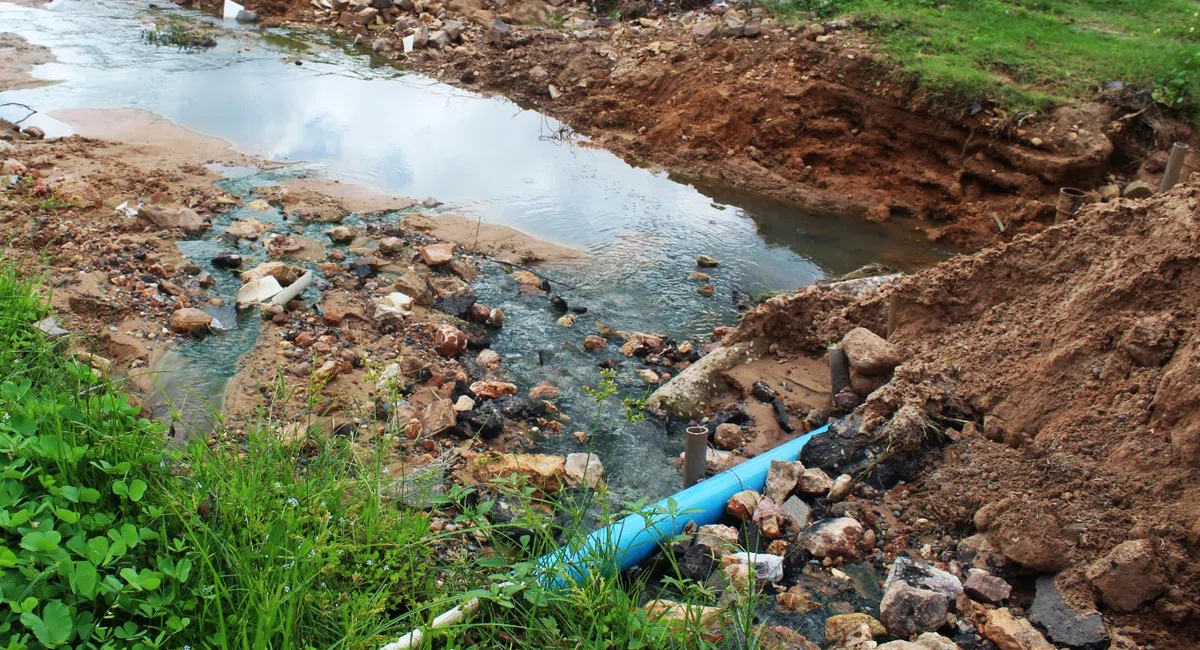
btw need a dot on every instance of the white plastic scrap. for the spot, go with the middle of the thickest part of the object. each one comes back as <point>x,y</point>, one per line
<point>231,10</point>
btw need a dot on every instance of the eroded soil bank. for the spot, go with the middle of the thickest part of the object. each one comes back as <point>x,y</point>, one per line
<point>804,113</point>
<point>1039,402</point>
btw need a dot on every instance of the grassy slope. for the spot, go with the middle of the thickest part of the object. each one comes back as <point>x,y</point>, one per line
<point>1028,54</point>
<point>110,539</point>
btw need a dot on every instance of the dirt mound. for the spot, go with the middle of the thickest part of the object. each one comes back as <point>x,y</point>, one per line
<point>1065,368</point>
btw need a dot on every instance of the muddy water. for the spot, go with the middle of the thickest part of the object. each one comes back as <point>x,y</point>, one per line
<point>484,157</point>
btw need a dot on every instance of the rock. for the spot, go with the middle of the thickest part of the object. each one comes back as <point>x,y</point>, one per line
<point>840,488</point>
<point>814,482</point>
<point>189,320</point>
<point>832,538</point>
<point>282,271</point>
<point>730,436</point>
<point>686,395</point>
<point>464,404</point>
<point>1034,540</point>
<point>489,359</point>
<point>673,611</point>
<point>437,254</point>
<point>227,260</point>
<point>1138,190</point>
<point>795,601</point>
<point>544,390</point>
<point>772,521</point>
<point>648,376</point>
<point>1061,623</point>
<point>1011,633</point>
<point>813,31</point>
<point>1109,192</point>
<point>781,479</point>
<point>583,470</point>
<point>391,245</point>
<point>766,566</point>
<point>173,217</point>
<point>594,342</point>
<point>493,389</point>
<point>412,284</point>
<point>641,344</point>
<point>449,340</point>
<point>1128,576</point>
<point>706,262</point>
<point>907,610</point>
<point>250,228</point>
<point>439,39</point>
<point>567,320</point>
<point>439,416</point>
<point>838,628</point>
<point>205,280</point>
<point>717,461</point>
<point>34,132</point>
<point>543,471</point>
<point>798,510</point>
<point>935,641</point>
<point>985,587</point>
<point>869,353</point>
<point>723,540</point>
<point>704,29</point>
<point>924,576</point>
<point>327,372</point>
<point>526,277</point>
<point>743,504</point>
<point>246,17</point>
<point>734,25</point>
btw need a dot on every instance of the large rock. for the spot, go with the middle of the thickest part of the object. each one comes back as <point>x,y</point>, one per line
<point>583,470</point>
<point>730,436</point>
<point>781,479</point>
<point>449,340</point>
<point>869,353</point>
<point>437,254</point>
<point>907,610</point>
<point>438,416</point>
<point>798,510</point>
<point>1063,624</point>
<point>686,395</point>
<point>772,521</point>
<point>493,389</point>
<point>282,271</point>
<point>1034,540</point>
<point>544,471</point>
<point>1128,576</point>
<point>814,482</point>
<point>249,228</point>
<point>985,587</point>
<point>412,284</point>
<point>832,538</point>
<point>189,320</point>
<point>1011,633</point>
<point>923,576</point>
<point>173,217</point>
<point>839,628</point>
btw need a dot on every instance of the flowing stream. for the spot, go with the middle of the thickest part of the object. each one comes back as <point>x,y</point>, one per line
<point>344,116</point>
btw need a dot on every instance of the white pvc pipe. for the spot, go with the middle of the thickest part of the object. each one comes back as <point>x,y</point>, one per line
<point>292,290</point>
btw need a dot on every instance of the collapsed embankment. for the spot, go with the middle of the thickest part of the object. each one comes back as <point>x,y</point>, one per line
<point>806,114</point>
<point>1062,369</point>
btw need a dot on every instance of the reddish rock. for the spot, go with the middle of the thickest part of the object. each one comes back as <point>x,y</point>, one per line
<point>594,342</point>
<point>493,389</point>
<point>743,504</point>
<point>1011,633</point>
<point>814,482</point>
<point>985,587</point>
<point>189,320</point>
<point>832,538</point>
<point>1128,576</point>
<point>437,254</point>
<point>730,436</point>
<point>869,353</point>
<point>544,390</point>
<point>449,341</point>
<point>438,416</point>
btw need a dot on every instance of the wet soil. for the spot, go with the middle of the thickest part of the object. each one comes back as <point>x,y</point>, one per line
<point>19,58</point>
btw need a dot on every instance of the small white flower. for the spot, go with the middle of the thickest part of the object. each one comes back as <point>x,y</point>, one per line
<point>294,502</point>
<point>287,589</point>
<point>370,563</point>
<point>278,485</point>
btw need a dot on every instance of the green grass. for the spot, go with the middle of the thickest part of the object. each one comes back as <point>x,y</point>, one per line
<point>1028,55</point>
<point>112,538</point>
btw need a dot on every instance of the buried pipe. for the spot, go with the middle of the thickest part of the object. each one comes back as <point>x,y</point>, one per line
<point>1174,165</point>
<point>1070,199</point>
<point>621,545</point>
<point>839,366</point>
<point>695,452</point>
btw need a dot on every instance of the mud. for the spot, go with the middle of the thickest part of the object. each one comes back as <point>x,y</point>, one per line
<point>20,57</point>
<point>1062,369</point>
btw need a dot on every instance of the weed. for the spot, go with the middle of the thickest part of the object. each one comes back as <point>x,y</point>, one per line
<point>180,35</point>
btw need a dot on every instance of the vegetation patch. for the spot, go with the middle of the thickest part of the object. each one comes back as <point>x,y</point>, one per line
<point>1030,54</point>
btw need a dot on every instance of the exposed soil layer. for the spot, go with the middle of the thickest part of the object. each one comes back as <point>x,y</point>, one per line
<point>827,124</point>
<point>1065,369</point>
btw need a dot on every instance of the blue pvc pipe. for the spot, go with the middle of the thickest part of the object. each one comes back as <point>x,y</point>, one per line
<point>631,540</point>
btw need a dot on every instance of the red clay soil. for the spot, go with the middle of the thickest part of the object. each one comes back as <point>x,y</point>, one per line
<point>1075,354</point>
<point>825,124</point>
